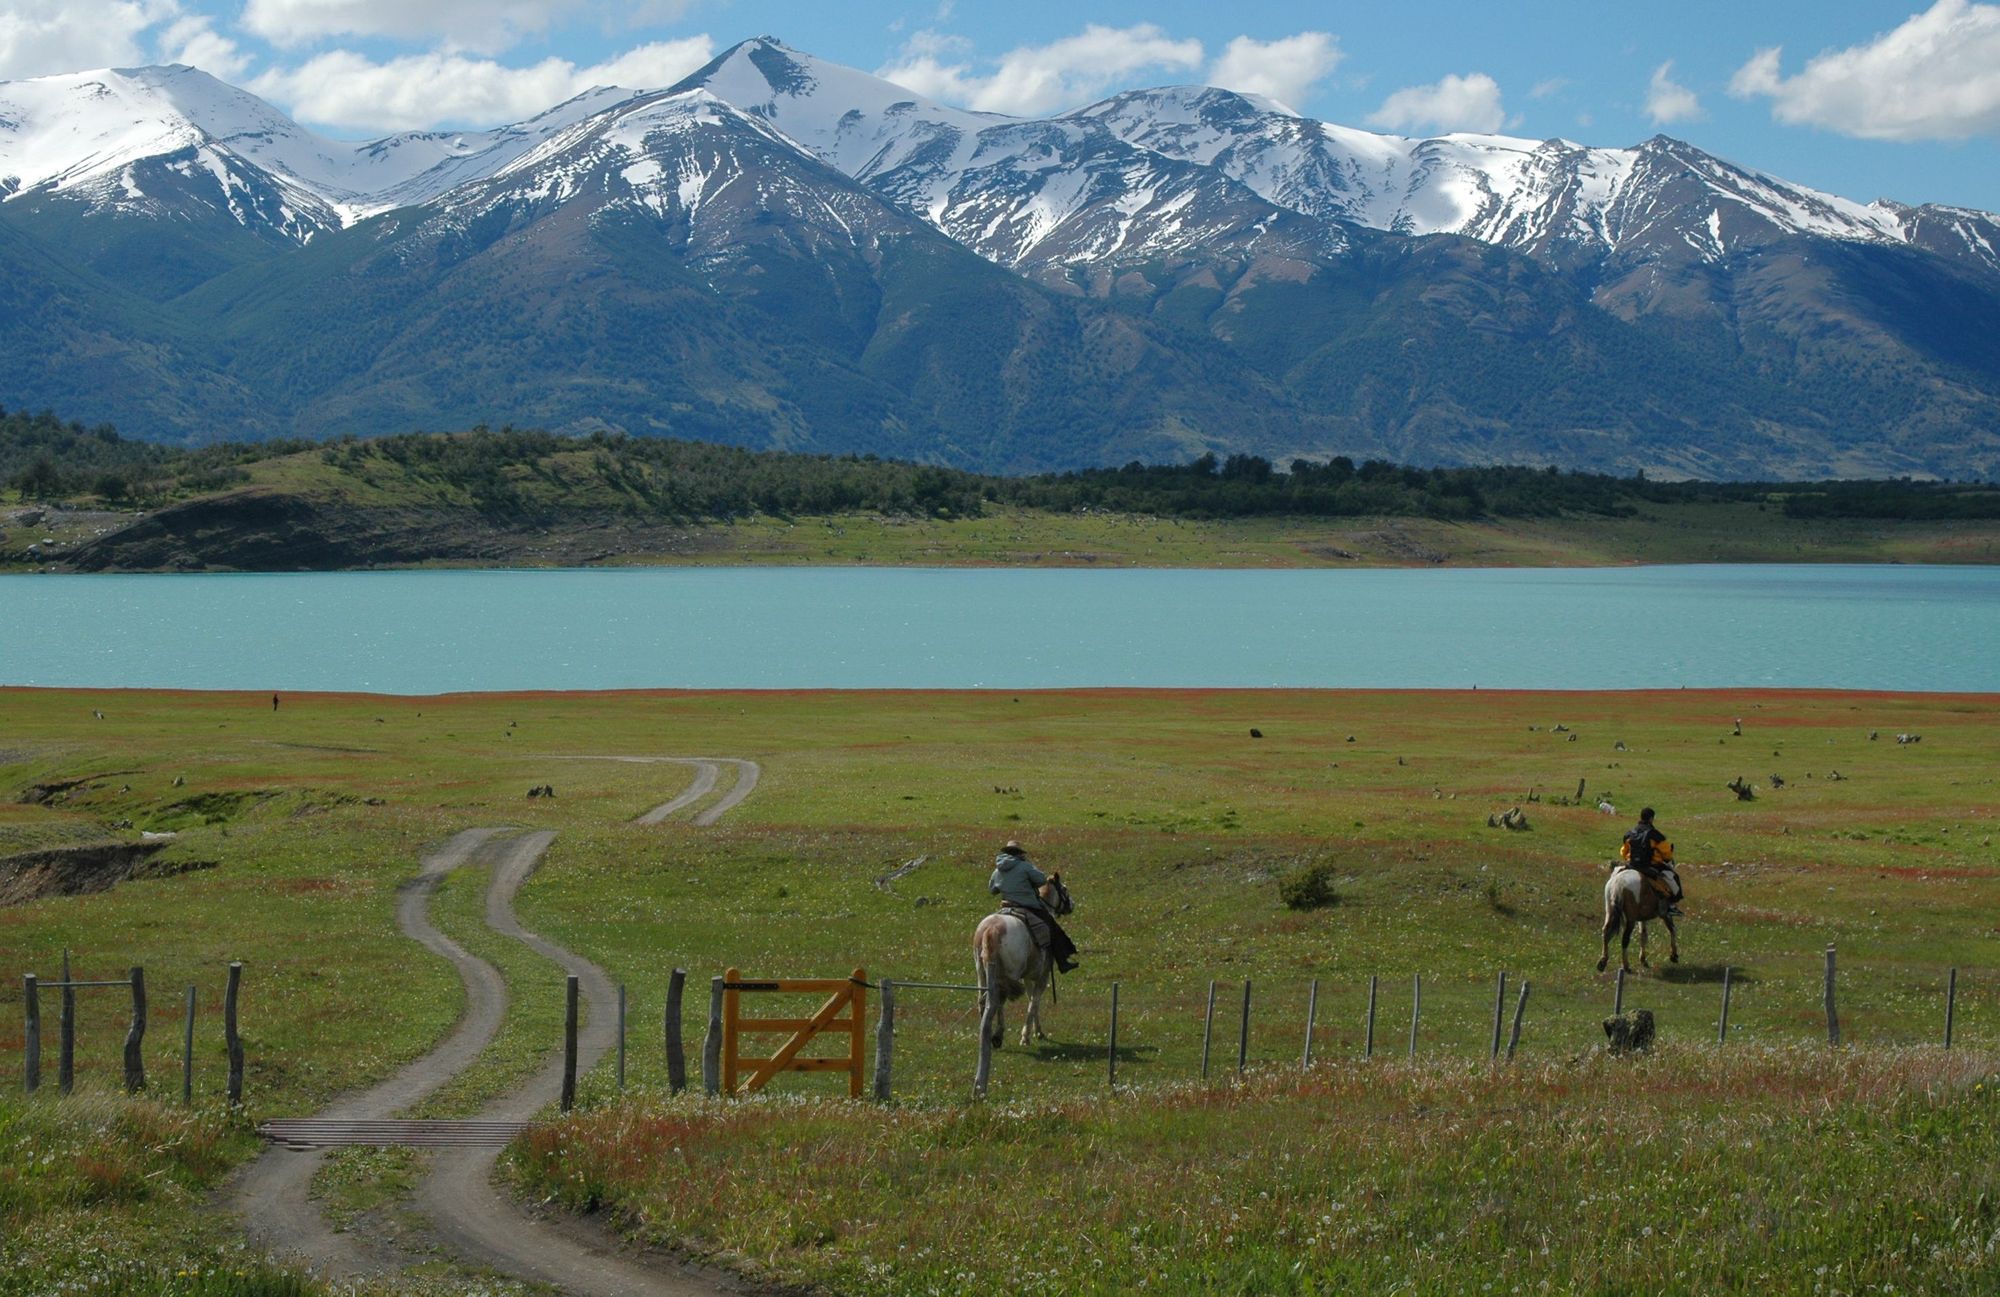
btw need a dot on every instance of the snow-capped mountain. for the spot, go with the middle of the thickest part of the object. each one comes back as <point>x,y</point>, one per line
<point>783,251</point>
<point>722,177</point>
<point>1552,197</point>
<point>1033,195</point>
<point>99,137</point>
<point>1143,176</point>
<point>1007,188</point>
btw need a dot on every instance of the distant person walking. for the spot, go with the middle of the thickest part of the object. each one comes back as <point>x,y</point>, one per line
<point>274,702</point>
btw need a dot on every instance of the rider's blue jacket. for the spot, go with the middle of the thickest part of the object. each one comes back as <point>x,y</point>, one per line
<point>1015,878</point>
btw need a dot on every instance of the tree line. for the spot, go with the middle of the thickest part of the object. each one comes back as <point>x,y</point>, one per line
<point>517,473</point>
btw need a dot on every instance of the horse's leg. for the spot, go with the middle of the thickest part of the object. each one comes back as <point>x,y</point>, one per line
<point>1032,1020</point>
<point>1610,922</point>
<point>1673,940</point>
<point>1625,947</point>
<point>1643,961</point>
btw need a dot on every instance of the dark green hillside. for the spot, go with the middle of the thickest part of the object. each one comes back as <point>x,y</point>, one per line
<point>75,341</point>
<point>1854,362</point>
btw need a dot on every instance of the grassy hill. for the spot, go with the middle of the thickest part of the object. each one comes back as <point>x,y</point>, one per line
<point>87,499</point>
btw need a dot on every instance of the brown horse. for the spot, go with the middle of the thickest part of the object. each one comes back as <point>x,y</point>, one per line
<point>1011,965</point>
<point>1631,900</point>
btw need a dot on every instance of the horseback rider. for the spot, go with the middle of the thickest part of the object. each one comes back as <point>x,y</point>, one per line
<point>1015,881</point>
<point>1647,850</point>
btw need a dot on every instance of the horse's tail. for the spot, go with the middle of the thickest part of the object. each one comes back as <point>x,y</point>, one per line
<point>989,958</point>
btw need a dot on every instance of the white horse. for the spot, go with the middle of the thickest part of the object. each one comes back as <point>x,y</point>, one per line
<point>1630,899</point>
<point>1011,965</point>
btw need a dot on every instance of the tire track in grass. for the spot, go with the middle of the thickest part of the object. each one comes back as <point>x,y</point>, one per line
<point>708,771</point>
<point>469,1213</point>
<point>272,1194</point>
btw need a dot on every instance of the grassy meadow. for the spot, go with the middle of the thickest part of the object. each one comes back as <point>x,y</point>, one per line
<point>1173,826</point>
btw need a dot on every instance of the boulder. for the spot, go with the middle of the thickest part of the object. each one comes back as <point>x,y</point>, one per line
<point>1629,1033</point>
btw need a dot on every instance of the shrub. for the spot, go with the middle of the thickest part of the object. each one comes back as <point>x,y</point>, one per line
<point>1308,888</point>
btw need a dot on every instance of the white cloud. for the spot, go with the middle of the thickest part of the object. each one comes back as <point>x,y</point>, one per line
<point>347,90</point>
<point>1549,88</point>
<point>484,25</point>
<point>1668,101</point>
<point>1936,77</point>
<point>1036,79</point>
<point>40,37</point>
<point>194,41</point>
<point>1285,69</point>
<point>1456,103</point>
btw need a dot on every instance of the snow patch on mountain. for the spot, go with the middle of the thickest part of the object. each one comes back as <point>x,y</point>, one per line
<point>88,134</point>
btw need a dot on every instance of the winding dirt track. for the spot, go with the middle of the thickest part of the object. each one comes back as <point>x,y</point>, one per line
<point>469,1214</point>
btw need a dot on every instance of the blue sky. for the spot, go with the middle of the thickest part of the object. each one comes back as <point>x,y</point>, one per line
<point>1863,99</point>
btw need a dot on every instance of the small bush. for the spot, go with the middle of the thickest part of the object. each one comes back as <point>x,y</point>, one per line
<point>1308,888</point>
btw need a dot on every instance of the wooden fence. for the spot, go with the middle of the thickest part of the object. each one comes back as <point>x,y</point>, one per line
<point>135,1036</point>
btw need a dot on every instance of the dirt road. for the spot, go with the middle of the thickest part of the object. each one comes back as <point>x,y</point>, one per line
<point>468,1214</point>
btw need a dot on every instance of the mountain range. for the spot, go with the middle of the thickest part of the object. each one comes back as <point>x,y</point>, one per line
<point>783,252</point>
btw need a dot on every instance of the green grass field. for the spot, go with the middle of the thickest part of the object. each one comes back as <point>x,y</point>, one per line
<point>1173,826</point>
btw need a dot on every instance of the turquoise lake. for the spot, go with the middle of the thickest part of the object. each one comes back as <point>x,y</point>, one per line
<point>1893,627</point>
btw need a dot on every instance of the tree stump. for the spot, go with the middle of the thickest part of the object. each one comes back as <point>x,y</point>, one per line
<point>1629,1033</point>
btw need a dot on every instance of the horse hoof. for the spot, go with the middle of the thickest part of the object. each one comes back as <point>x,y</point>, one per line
<point>1674,958</point>
<point>1601,963</point>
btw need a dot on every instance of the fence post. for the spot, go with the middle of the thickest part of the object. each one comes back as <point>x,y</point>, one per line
<point>31,1039</point>
<point>857,1043</point>
<point>1207,1028</point>
<point>621,1038</point>
<point>1950,1003</point>
<point>677,1064</point>
<point>1243,1035</point>
<point>1416,1009</point>
<point>66,1034</point>
<point>711,1044</point>
<point>1368,1047</point>
<point>1499,1011</point>
<point>1722,1030</point>
<point>569,1043</point>
<point>1832,1014</point>
<point>885,1041</point>
<point>230,1037</point>
<point>1312,1012</point>
<point>1111,1077</point>
<point>731,1042</point>
<point>1520,1008</point>
<point>187,1052</point>
<point>135,1059</point>
<point>1618,996</point>
<point>988,1005</point>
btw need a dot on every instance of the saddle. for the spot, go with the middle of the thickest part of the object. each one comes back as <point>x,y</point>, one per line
<point>1664,881</point>
<point>1038,923</point>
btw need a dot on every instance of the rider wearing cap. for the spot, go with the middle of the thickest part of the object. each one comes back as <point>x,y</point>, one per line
<point>1015,881</point>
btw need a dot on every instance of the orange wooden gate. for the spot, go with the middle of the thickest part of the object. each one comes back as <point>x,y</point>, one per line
<point>844,1011</point>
